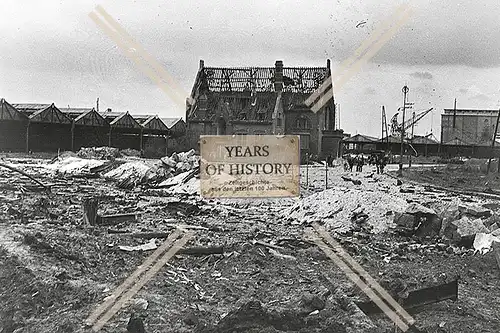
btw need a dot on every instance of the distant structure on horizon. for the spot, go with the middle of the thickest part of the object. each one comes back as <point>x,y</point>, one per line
<point>263,100</point>
<point>40,127</point>
<point>464,127</point>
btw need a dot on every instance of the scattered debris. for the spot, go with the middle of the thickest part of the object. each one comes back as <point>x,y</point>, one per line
<point>117,218</point>
<point>281,256</point>
<point>475,211</point>
<point>56,268</point>
<point>419,298</point>
<point>24,174</point>
<point>151,245</point>
<point>99,153</point>
<point>349,179</point>
<point>463,231</point>
<point>202,250</point>
<point>90,207</point>
<point>483,242</point>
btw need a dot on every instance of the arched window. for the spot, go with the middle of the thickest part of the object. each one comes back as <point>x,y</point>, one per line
<point>302,123</point>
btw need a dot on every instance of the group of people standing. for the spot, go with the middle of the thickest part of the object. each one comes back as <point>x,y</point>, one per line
<point>354,160</point>
<point>380,160</point>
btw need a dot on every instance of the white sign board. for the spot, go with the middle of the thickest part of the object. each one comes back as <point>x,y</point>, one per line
<point>249,166</point>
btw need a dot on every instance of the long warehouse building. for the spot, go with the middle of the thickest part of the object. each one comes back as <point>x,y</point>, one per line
<point>46,128</point>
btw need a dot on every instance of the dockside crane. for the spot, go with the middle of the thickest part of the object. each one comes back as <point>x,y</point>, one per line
<point>396,128</point>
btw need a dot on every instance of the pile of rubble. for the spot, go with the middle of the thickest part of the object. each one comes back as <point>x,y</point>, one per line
<point>342,208</point>
<point>181,162</point>
<point>74,166</point>
<point>99,153</point>
<point>132,171</point>
<point>379,204</point>
<point>468,225</point>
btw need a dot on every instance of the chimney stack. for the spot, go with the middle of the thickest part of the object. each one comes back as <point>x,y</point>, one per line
<point>278,75</point>
<point>202,64</point>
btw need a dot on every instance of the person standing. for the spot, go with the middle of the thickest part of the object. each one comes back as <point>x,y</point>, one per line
<point>377,163</point>
<point>350,161</point>
<point>383,163</point>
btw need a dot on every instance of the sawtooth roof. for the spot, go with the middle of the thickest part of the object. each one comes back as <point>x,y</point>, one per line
<point>91,118</point>
<point>125,120</point>
<point>29,108</point>
<point>170,122</point>
<point>43,113</point>
<point>9,112</point>
<point>75,112</point>
<point>154,123</point>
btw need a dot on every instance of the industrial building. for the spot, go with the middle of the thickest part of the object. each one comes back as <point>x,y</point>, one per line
<point>263,100</point>
<point>468,127</point>
<point>466,132</point>
<point>417,145</point>
<point>46,128</point>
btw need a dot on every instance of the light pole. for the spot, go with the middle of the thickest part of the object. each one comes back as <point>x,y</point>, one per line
<point>400,171</point>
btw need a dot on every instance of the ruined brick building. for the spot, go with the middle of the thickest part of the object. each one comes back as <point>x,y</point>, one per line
<point>262,100</point>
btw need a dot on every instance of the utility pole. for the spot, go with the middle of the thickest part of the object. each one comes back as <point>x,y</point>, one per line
<point>493,145</point>
<point>382,122</point>
<point>454,113</point>
<point>385,129</point>
<point>411,140</point>
<point>400,171</point>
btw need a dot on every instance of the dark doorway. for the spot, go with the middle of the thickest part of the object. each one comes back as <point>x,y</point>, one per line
<point>221,126</point>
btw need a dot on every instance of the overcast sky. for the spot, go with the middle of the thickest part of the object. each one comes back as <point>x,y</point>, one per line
<point>51,51</point>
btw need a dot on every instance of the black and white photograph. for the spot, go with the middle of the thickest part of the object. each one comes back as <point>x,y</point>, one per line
<point>322,166</point>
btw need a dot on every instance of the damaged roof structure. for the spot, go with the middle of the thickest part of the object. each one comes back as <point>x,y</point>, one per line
<point>262,100</point>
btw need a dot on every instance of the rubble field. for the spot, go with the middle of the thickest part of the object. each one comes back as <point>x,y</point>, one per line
<point>260,272</point>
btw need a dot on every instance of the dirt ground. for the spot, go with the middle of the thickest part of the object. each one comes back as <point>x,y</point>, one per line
<point>55,270</point>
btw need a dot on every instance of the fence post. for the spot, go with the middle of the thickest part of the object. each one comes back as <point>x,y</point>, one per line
<point>307,170</point>
<point>326,173</point>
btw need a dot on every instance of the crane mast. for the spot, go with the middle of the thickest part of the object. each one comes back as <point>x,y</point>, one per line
<point>396,128</point>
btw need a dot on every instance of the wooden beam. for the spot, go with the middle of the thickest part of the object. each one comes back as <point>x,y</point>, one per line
<point>117,218</point>
<point>90,206</point>
<point>24,174</point>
